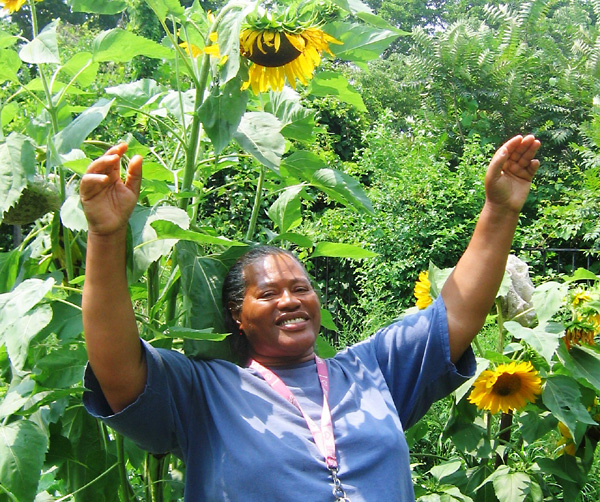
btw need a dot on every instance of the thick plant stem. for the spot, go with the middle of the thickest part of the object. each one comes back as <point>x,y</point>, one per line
<point>55,129</point>
<point>191,148</point>
<point>126,489</point>
<point>257,204</point>
<point>500,326</point>
<point>152,286</point>
<point>504,436</point>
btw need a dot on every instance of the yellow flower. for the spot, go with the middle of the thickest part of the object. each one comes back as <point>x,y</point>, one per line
<point>278,55</point>
<point>507,388</point>
<point>581,297</point>
<point>423,291</point>
<point>192,49</point>
<point>566,443</point>
<point>13,5</point>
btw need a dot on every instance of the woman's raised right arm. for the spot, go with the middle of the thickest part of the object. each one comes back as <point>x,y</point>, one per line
<point>111,334</point>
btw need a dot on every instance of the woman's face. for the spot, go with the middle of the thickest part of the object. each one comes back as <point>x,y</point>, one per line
<point>281,313</point>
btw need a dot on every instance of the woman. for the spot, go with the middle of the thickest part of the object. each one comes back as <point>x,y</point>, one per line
<point>287,425</point>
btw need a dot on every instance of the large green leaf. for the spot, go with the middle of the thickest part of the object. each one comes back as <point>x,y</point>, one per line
<point>221,113</point>
<point>329,83</point>
<point>62,368</point>
<point>10,63</point>
<point>297,121</point>
<point>72,215</point>
<point>336,250</point>
<point>81,68</point>
<point>167,230</point>
<point>201,280</point>
<point>562,397</point>
<point>19,334</point>
<point>17,167</point>
<point>147,246</point>
<point>17,395</point>
<point>228,33</point>
<point>72,136</point>
<point>23,447</point>
<point>581,274</point>
<point>510,486</point>
<point>9,267</point>
<point>544,338</point>
<point>259,134</point>
<point>120,46</point>
<point>547,299</point>
<point>109,7</point>
<point>15,304</point>
<point>207,334</point>
<point>352,6</point>
<point>361,43</point>
<point>164,8</point>
<point>583,363</point>
<point>43,48</point>
<point>307,166</point>
<point>137,95</point>
<point>285,211</point>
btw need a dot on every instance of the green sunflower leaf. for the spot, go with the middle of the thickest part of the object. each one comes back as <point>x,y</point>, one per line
<point>337,250</point>
<point>23,447</point>
<point>43,48</point>
<point>17,168</point>
<point>328,83</point>
<point>259,134</point>
<point>10,62</point>
<point>285,211</point>
<point>164,8</point>
<point>561,395</point>
<point>361,43</point>
<point>120,46</point>
<point>221,113</point>
<point>109,7</point>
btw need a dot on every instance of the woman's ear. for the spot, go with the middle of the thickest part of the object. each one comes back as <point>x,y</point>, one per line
<point>235,311</point>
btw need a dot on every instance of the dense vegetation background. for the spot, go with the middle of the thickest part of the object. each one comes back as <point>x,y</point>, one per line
<point>415,127</point>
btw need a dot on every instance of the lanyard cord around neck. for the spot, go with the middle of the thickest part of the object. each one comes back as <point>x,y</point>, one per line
<point>323,436</point>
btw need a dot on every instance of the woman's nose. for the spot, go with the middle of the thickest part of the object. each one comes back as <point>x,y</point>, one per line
<point>288,299</point>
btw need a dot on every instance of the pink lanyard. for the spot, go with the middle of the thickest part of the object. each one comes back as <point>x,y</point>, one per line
<point>323,436</point>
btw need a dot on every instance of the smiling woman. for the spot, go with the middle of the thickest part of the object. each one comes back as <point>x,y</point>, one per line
<point>271,307</point>
<point>285,424</point>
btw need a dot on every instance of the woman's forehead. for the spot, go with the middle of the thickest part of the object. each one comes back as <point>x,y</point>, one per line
<point>274,268</point>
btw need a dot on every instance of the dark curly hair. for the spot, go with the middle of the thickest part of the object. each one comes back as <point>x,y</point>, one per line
<point>234,290</point>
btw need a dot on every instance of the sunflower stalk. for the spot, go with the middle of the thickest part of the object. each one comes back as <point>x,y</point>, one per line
<point>500,320</point>
<point>506,420</point>
<point>53,112</point>
<point>257,204</point>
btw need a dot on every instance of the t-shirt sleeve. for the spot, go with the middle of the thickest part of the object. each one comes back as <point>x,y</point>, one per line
<point>152,421</point>
<point>414,357</point>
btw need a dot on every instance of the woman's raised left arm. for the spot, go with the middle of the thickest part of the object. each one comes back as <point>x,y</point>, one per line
<point>471,289</point>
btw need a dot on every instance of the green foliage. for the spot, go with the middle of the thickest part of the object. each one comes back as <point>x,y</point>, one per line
<point>423,211</point>
<point>219,174</point>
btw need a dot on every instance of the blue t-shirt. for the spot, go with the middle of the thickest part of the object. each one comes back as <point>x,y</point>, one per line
<point>241,441</point>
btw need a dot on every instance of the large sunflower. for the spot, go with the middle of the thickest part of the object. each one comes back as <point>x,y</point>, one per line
<point>277,54</point>
<point>509,387</point>
<point>423,291</point>
<point>12,5</point>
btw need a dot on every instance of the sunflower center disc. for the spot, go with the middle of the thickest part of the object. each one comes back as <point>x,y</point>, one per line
<point>507,384</point>
<point>273,58</point>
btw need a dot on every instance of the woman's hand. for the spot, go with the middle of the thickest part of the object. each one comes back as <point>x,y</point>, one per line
<point>510,172</point>
<point>108,201</point>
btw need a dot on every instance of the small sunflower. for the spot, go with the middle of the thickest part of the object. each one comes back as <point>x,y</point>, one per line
<point>423,291</point>
<point>509,387</point>
<point>12,5</point>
